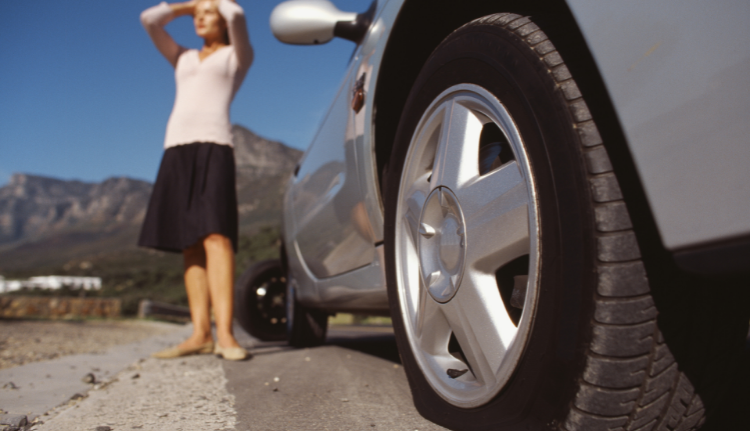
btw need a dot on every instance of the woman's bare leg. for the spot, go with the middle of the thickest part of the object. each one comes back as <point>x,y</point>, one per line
<point>196,284</point>
<point>220,274</point>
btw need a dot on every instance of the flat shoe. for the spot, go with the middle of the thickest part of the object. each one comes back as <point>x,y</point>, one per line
<point>231,353</point>
<point>176,352</point>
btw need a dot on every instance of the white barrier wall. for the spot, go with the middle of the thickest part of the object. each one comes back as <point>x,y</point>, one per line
<point>51,282</point>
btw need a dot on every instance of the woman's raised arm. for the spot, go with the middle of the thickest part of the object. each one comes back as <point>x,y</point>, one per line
<point>239,37</point>
<point>156,17</point>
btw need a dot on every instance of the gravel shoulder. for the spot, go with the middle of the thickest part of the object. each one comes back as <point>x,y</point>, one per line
<point>153,395</point>
<point>26,341</point>
<point>37,387</point>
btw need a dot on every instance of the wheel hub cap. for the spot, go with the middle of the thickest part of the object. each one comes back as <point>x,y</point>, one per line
<point>442,244</point>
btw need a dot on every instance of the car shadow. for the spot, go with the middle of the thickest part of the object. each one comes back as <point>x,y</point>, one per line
<point>377,341</point>
<point>373,340</point>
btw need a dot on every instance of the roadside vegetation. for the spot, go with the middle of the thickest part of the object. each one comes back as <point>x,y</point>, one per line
<point>135,274</point>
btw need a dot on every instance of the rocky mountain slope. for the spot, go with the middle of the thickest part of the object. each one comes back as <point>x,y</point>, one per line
<point>257,157</point>
<point>33,207</point>
<point>44,220</point>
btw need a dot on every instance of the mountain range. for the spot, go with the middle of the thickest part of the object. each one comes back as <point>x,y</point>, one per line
<point>45,221</point>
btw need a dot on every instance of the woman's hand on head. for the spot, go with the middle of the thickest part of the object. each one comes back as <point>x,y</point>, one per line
<point>184,8</point>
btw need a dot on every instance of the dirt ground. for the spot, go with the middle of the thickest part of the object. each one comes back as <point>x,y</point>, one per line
<point>25,341</point>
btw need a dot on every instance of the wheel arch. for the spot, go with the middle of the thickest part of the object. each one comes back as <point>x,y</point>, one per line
<point>423,24</point>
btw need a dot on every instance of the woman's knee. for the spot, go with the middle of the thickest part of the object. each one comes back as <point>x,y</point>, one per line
<point>216,241</point>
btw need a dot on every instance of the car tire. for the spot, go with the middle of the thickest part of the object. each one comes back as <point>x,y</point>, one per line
<point>517,289</point>
<point>260,297</point>
<point>306,327</point>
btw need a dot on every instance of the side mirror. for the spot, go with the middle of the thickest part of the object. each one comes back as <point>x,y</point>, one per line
<point>312,22</point>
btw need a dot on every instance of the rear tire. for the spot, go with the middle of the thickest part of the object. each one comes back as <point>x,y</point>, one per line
<point>260,296</point>
<point>594,344</point>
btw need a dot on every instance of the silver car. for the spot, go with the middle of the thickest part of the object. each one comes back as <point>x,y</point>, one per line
<point>549,198</point>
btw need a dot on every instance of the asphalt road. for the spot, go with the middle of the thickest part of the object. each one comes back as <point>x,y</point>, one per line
<point>353,382</point>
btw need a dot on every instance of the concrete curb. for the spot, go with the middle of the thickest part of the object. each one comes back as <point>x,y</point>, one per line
<point>42,386</point>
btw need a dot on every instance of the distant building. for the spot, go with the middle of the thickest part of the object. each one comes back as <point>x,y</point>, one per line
<point>51,282</point>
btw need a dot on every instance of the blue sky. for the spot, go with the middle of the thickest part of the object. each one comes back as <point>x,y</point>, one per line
<point>85,95</point>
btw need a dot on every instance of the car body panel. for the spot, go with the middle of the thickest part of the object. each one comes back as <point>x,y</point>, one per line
<point>678,87</point>
<point>333,213</point>
<point>326,197</point>
<point>678,74</point>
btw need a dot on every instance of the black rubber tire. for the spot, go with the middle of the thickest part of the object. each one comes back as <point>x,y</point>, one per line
<point>262,316</point>
<point>306,327</point>
<point>609,350</point>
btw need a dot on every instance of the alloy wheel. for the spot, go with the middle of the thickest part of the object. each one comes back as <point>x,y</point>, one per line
<point>467,245</point>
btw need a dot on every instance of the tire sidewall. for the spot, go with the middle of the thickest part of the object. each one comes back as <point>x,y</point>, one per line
<point>544,383</point>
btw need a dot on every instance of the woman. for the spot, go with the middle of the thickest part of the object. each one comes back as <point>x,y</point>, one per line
<point>193,207</point>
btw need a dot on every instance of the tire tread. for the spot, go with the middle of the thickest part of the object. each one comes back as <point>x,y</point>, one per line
<point>631,380</point>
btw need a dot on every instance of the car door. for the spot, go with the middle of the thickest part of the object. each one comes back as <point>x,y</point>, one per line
<point>332,230</point>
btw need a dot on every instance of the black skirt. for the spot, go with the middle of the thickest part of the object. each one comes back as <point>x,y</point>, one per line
<point>194,195</point>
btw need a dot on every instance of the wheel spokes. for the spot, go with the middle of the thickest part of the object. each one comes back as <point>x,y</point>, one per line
<point>481,331</point>
<point>431,327</point>
<point>496,210</point>
<point>414,205</point>
<point>458,148</point>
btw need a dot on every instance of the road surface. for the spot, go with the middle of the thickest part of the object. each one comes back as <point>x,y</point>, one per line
<point>354,382</point>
